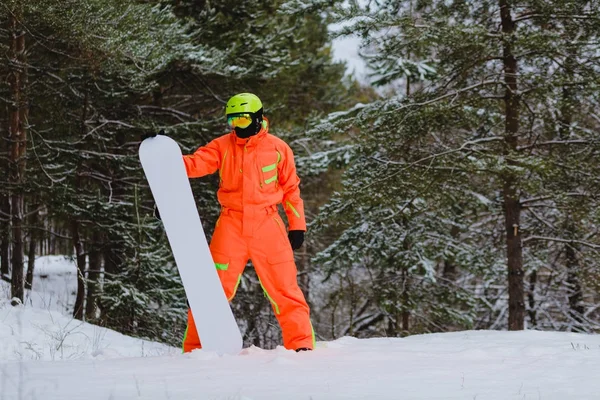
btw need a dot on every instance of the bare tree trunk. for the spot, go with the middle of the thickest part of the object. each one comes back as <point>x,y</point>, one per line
<point>4,200</point>
<point>76,226</point>
<point>112,263</point>
<point>531,298</point>
<point>33,220</point>
<point>568,105</point>
<point>5,238</point>
<point>510,192</point>
<point>17,282</point>
<point>111,260</point>
<point>405,302</point>
<point>575,295</point>
<point>17,140</point>
<point>80,256</point>
<point>303,265</point>
<point>52,239</point>
<point>93,277</point>
<point>30,264</point>
<point>450,270</point>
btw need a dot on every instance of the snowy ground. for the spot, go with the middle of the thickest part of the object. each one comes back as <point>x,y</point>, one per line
<point>45,355</point>
<point>54,285</point>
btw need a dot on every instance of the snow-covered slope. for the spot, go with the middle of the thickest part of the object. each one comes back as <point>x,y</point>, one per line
<point>28,333</point>
<point>43,328</point>
<point>464,365</point>
<point>45,355</point>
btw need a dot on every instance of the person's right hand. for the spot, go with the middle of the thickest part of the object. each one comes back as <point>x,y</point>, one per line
<point>147,135</point>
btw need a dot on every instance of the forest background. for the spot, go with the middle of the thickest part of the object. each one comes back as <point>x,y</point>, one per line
<point>455,188</point>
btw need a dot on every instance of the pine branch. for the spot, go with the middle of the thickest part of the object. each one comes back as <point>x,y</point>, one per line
<point>559,240</point>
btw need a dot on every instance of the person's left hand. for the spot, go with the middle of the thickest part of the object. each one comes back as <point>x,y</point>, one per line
<point>151,134</point>
<point>296,239</point>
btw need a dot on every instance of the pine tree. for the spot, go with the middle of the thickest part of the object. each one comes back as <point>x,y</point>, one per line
<point>448,170</point>
<point>106,71</point>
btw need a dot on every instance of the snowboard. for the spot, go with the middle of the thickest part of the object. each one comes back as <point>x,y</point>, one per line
<point>163,165</point>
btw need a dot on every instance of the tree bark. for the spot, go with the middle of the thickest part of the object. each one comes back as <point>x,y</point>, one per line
<point>5,239</point>
<point>576,308</point>
<point>76,225</point>
<point>112,262</point>
<point>80,257</point>
<point>93,277</point>
<point>4,199</point>
<point>568,105</point>
<point>510,192</point>
<point>17,281</point>
<point>18,118</point>
<point>303,265</point>
<point>405,303</point>
<point>531,298</point>
<point>33,220</point>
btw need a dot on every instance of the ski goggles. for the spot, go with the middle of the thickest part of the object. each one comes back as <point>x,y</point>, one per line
<point>239,120</point>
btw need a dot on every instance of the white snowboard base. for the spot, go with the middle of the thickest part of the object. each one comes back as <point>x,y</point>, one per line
<point>163,165</point>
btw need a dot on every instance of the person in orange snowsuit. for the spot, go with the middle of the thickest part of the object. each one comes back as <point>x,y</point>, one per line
<point>257,172</point>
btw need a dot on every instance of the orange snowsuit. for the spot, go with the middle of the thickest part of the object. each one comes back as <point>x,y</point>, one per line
<point>256,174</point>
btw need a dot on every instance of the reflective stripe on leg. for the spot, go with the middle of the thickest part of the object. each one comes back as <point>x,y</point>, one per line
<point>269,297</point>
<point>235,288</point>
<point>187,327</point>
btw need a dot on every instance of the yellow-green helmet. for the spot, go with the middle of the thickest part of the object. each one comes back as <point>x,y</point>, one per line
<point>243,103</point>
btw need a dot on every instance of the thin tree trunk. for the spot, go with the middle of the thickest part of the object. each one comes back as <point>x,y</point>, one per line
<point>17,282</point>
<point>5,239</point>
<point>113,248</point>
<point>30,264</point>
<point>405,300</point>
<point>531,297</point>
<point>17,140</point>
<point>80,257</point>
<point>33,220</point>
<point>303,265</point>
<point>93,277</point>
<point>52,240</point>
<point>510,192</point>
<point>111,260</point>
<point>4,199</point>
<point>76,227</point>
<point>576,308</point>
<point>111,268</point>
<point>568,105</point>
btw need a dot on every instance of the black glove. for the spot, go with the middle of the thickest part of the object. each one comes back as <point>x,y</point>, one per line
<point>147,135</point>
<point>296,239</point>
<point>156,213</point>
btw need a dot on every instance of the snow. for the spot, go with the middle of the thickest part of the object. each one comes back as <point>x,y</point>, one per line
<point>28,333</point>
<point>54,265</point>
<point>54,284</point>
<point>43,329</point>
<point>462,365</point>
<point>47,355</point>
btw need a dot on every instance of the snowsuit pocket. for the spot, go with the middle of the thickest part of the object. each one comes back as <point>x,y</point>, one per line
<point>280,257</point>
<point>221,261</point>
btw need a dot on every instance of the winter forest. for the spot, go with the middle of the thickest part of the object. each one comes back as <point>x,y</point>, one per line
<point>455,187</point>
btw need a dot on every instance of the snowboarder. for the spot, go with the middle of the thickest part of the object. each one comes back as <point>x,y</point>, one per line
<point>257,172</point>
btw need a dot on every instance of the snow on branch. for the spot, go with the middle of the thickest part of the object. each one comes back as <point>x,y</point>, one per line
<point>568,241</point>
